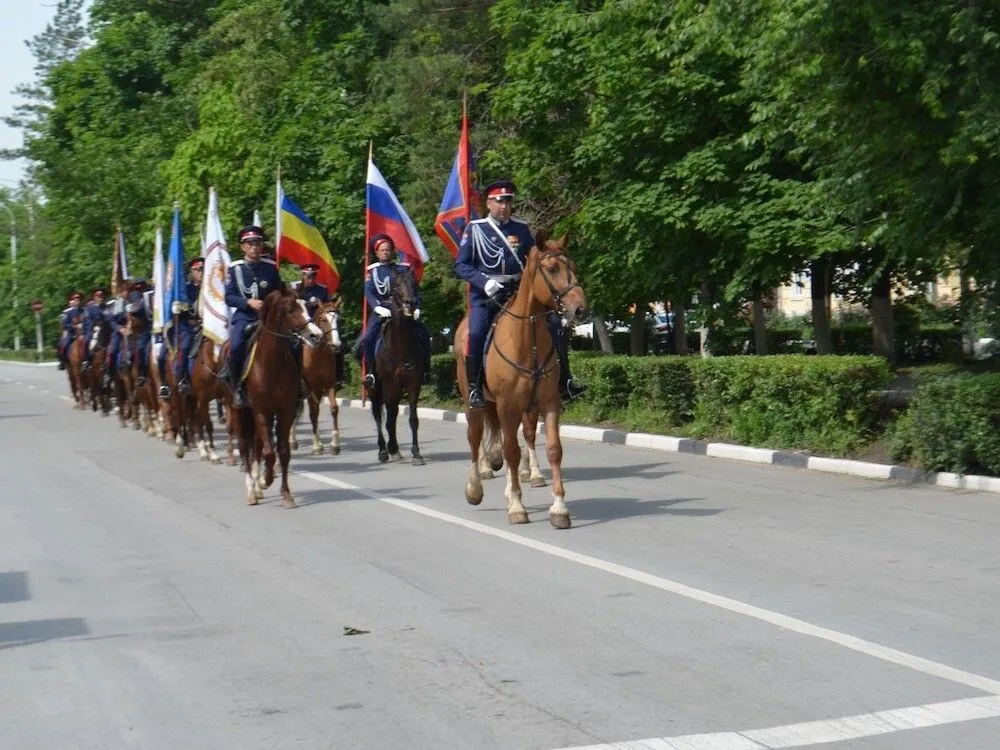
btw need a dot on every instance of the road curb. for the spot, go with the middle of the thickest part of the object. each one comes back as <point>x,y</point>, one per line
<point>20,363</point>
<point>791,459</point>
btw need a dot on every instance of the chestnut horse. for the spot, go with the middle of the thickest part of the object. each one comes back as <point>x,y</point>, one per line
<point>272,384</point>
<point>205,385</point>
<point>320,366</point>
<point>522,376</point>
<point>399,367</point>
<point>100,396</point>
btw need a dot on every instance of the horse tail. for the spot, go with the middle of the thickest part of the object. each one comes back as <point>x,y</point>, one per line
<point>492,438</point>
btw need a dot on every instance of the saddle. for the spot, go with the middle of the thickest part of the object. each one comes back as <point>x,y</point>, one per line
<point>252,332</point>
<point>197,336</point>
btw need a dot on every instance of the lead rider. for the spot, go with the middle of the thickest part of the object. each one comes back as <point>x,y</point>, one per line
<point>491,258</point>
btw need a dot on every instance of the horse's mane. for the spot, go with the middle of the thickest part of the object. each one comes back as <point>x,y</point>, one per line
<point>278,302</point>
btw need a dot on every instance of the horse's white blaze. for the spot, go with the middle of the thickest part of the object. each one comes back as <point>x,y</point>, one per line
<point>334,330</point>
<point>314,329</point>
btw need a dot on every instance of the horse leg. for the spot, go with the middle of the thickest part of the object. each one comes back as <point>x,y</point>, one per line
<point>264,424</point>
<point>314,403</point>
<point>207,427</point>
<point>231,443</point>
<point>416,459</point>
<point>293,438</point>
<point>474,420</point>
<point>509,422</point>
<point>335,415</point>
<point>529,458</point>
<point>491,458</point>
<point>558,512</point>
<point>383,454</point>
<point>391,414</point>
<point>284,454</point>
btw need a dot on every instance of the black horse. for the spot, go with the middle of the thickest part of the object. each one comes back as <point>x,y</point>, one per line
<point>398,367</point>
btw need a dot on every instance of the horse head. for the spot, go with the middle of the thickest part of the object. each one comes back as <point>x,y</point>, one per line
<point>327,317</point>
<point>284,314</point>
<point>403,292</point>
<point>552,275</point>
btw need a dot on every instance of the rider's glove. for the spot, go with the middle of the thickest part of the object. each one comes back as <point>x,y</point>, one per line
<point>383,312</point>
<point>493,287</point>
<point>416,314</point>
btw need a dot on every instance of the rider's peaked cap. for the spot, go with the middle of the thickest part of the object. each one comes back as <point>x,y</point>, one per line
<point>377,239</point>
<point>501,189</point>
<point>250,232</point>
<point>309,267</point>
<point>196,263</point>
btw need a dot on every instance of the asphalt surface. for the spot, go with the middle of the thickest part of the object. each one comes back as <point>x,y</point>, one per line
<point>143,604</point>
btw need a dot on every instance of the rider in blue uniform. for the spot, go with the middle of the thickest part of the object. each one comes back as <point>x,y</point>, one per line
<point>70,316</point>
<point>378,295</point>
<point>182,338</point>
<point>93,314</point>
<point>139,305</point>
<point>250,281</point>
<point>491,258</point>
<point>315,294</point>
<point>115,314</point>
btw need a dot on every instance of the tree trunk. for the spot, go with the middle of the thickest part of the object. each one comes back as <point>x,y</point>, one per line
<point>759,324</point>
<point>820,273</point>
<point>965,310</point>
<point>637,331</point>
<point>680,332</point>
<point>602,335</point>
<point>883,340</point>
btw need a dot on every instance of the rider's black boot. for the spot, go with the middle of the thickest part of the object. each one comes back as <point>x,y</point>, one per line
<point>474,372</point>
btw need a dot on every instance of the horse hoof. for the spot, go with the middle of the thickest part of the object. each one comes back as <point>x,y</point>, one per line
<point>335,450</point>
<point>486,475</point>
<point>496,465</point>
<point>289,502</point>
<point>560,520</point>
<point>179,451</point>
<point>517,518</point>
<point>383,456</point>
<point>231,461</point>
<point>417,461</point>
<point>317,451</point>
<point>252,499</point>
<point>395,457</point>
<point>471,497</point>
<point>538,482</point>
<point>216,461</point>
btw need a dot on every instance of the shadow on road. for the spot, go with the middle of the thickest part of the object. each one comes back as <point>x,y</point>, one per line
<point>13,634</point>
<point>14,587</point>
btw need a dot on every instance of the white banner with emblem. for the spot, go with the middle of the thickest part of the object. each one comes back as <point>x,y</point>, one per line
<point>214,311</point>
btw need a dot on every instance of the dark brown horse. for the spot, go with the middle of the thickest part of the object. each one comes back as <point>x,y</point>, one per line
<point>320,366</point>
<point>100,396</point>
<point>398,367</point>
<point>522,375</point>
<point>272,384</point>
<point>75,352</point>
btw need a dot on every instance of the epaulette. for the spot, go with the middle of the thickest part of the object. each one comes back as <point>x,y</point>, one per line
<point>68,309</point>
<point>296,284</point>
<point>374,265</point>
<point>403,265</point>
<point>480,221</point>
<point>238,263</point>
<point>268,260</point>
<point>519,221</point>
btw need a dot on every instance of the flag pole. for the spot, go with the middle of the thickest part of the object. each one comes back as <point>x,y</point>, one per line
<point>277,216</point>
<point>364,275</point>
<point>175,310</point>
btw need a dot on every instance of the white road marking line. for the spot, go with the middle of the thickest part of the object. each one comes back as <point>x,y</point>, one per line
<point>891,655</point>
<point>822,732</point>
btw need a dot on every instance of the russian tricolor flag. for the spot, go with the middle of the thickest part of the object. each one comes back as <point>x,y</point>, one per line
<point>385,213</point>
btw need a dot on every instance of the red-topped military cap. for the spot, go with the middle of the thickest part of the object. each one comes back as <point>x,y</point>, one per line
<point>196,264</point>
<point>75,295</point>
<point>309,268</point>
<point>500,189</point>
<point>251,232</point>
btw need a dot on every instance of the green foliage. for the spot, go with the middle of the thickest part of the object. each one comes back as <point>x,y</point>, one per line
<point>952,424</point>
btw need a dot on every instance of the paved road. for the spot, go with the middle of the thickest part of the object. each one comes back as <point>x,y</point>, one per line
<point>707,603</point>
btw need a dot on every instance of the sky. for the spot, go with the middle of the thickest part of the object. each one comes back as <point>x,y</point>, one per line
<point>20,20</point>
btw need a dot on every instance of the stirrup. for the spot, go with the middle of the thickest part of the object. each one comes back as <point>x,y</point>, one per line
<point>164,391</point>
<point>184,386</point>
<point>239,397</point>
<point>571,389</point>
<point>85,366</point>
<point>476,400</point>
<point>140,381</point>
<point>370,380</point>
<point>62,366</point>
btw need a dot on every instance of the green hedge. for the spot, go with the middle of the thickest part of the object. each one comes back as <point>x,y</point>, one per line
<point>952,424</point>
<point>28,355</point>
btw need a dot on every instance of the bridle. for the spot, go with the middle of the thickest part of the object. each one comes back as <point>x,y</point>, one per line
<point>538,371</point>
<point>294,333</point>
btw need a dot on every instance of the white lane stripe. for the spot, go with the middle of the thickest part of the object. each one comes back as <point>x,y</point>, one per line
<point>894,656</point>
<point>822,732</point>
